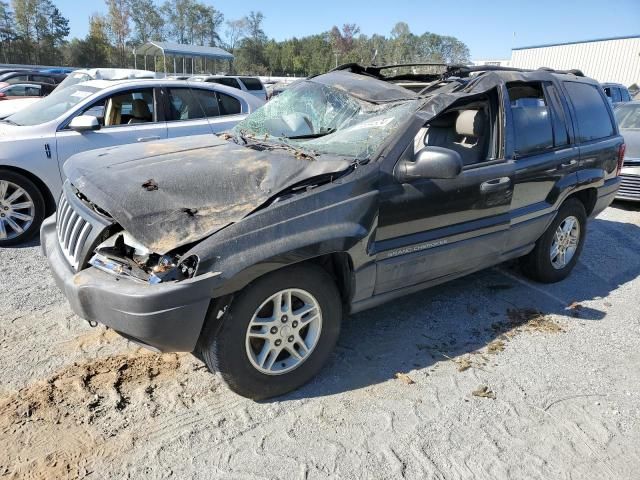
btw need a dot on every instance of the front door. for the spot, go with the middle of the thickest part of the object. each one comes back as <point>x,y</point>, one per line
<point>433,229</point>
<point>129,116</point>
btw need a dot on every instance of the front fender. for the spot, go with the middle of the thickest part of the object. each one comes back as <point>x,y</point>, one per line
<point>333,218</point>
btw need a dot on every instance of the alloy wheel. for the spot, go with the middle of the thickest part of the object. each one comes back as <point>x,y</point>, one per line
<point>17,210</point>
<point>565,242</point>
<point>284,331</point>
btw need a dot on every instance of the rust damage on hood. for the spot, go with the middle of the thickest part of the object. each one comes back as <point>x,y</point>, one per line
<point>172,193</point>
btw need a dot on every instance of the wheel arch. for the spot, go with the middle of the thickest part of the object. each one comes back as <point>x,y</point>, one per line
<point>588,197</point>
<point>49,201</point>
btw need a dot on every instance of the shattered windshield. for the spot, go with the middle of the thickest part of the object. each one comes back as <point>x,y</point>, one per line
<point>318,119</point>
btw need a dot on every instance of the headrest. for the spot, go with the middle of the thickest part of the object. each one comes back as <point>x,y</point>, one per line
<point>446,120</point>
<point>140,109</point>
<point>470,123</point>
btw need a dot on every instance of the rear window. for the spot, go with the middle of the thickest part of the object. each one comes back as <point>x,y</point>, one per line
<point>229,82</point>
<point>593,120</point>
<point>252,83</point>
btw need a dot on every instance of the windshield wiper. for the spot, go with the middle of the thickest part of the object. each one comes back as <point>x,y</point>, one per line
<point>10,122</point>
<point>312,135</point>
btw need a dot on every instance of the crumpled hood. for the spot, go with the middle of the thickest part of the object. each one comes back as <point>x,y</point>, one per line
<point>170,193</point>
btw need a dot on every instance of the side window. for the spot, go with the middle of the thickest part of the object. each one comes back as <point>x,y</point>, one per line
<point>532,124</point>
<point>468,130</point>
<point>124,108</point>
<point>229,82</point>
<point>32,90</point>
<point>615,95</point>
<point>624,94</point>
<point>17,79</point>
<point>188,104</point>
<point>559,117</point>
<point>43,79</point>
<point>16,91</point>
<point>228,105</point>
<point>252,83</point>
<point>592,114</point>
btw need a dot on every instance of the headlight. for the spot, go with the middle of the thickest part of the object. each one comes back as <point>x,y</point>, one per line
<point>124,256</point>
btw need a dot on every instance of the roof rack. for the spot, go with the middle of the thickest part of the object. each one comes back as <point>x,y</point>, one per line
<point>465,70</point>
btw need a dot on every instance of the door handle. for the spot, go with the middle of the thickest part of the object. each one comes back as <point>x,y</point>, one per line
<point>568,164</point>
<point>495,184</point>
<point>148,139</point>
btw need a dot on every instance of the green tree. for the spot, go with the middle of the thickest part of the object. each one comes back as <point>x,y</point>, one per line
<point>95,50</point>
<point>148,22</point>
<point>7,32</point>
<point>118,22</point>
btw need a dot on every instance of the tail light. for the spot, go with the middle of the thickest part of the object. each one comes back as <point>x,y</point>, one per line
<point>621,151</point>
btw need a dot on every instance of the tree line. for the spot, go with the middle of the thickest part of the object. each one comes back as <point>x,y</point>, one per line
<point>36,32</point>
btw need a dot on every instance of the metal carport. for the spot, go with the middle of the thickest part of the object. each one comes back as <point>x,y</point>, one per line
<point>170,49</point>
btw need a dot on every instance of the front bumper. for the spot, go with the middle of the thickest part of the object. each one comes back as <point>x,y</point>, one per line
<point>630,186</point>
<point>166,317</point>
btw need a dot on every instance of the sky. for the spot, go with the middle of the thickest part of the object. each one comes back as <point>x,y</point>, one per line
<point>490,28</point>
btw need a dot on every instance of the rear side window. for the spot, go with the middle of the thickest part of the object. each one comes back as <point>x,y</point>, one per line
<point>17,79</point>
<point>191,104</point>
<point>252,83</point>
<point>624,95</point>
<point>532,125</point>
<point>592,115</point>
<point>228,105</point>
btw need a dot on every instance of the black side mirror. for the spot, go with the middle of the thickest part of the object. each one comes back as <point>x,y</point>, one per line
<point>430,162</point>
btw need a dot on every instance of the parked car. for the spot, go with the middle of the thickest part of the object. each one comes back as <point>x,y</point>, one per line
<point>36,141</point>
<point>251,85</point>
<point>344,192</point>
<point>22,76</point>
<point>628,117</point>
<point>15,105</point>
<point>616,93</point>
<point>60,70</point>
<point>79,76</point>
<point>13,91</point>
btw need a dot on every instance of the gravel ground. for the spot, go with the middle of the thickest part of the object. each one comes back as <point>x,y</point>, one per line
<point>554,369</point>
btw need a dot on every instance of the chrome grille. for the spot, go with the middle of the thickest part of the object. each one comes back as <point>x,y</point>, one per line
<point>629,187</point>
<point>73,231</point>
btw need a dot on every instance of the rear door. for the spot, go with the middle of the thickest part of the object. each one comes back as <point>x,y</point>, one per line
<point>595,131</point>
<point>126,116</point>
<point>545,155</point>
<point>198,111</point>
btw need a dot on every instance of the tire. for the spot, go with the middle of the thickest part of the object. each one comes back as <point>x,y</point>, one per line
<point>18,225</point>
<point>236,354</point>
<point>538,264</point>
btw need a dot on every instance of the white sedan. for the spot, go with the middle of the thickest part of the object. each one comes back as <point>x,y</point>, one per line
<point>36,141</point>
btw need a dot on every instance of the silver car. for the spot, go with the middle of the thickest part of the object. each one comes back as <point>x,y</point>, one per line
<point>36,141</point>
<point>628,117</point>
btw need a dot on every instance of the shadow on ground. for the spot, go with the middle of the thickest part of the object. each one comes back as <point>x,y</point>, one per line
<point>467,314</point>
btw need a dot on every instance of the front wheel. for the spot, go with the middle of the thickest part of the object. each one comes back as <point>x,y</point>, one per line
<point>22,208</point>
<point>277,333</point>
<point>557,250</point>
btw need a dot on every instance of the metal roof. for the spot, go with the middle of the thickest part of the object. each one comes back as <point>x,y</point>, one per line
<point>573,43</point>
<point>180,50</point>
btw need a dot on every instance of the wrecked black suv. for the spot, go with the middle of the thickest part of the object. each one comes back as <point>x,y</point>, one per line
<point>346,191</point>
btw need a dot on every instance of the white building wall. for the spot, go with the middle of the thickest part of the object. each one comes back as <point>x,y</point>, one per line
<point>615,60</point>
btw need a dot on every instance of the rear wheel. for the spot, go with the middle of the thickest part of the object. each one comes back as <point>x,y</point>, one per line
<point>22,208</point>
<point>558,249</point>
<point>278,332</point>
